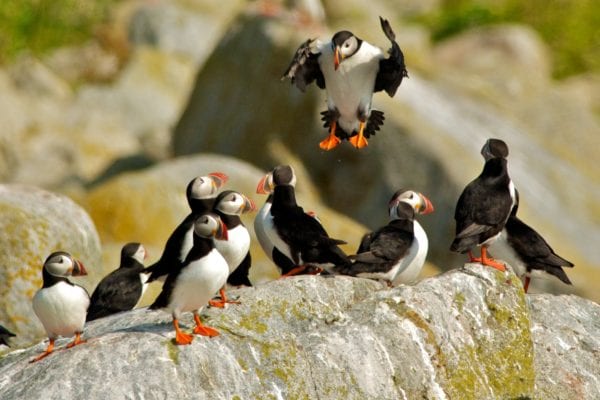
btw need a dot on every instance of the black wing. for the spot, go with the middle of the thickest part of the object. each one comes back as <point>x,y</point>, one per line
<point>304,68</point>
<point>118,291</point>
<point>239,277</point>
<point>392,69</point>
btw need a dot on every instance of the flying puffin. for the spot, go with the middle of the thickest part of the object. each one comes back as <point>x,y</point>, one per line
<point>527,252</point>
<point>351,70</point>
<point>122,289</point>
<point>229,205</point>
<point>295,234</point>
<point>201,193</point>
<point>61,305</point>
<point>396,252</point>
<point>485,205</point>
<point>5,334</point>
<point>190,285</point>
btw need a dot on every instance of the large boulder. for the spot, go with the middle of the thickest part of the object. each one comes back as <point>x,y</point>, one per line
<point>465,334</point>
<point>35,223</point>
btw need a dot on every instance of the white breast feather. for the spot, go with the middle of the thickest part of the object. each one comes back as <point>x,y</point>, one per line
<point>412,263</point>
<point>61,308</point>
<point>235,248</point>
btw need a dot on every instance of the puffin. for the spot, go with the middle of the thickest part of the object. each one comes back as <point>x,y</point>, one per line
<point>121,289</point>
<point>229,205</point>
<point>5,335</point>
<point>61,305</point>
<point>297,235</point>
<point>396,252</point>
<point>485,205</point>
<point>528,252</point>
<point>190,285</point>
<point>200,193</point>
<point>350,69</point>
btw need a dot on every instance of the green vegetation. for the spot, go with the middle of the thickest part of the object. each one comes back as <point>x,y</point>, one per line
<point>569,27</point>
<point>39,25</point>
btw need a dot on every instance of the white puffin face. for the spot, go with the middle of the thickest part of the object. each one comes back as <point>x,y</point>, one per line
<point>348,47</point>
<point>203,187</point>
<point>62,264</point>
<point>210,225</point>
<point>140,254</point>
<point>234,203</point>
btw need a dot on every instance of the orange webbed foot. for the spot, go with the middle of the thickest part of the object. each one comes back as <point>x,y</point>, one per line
<point>76,341</point>
<point>182,338</point>
<point>359,141</point>
<point>46,353</point>
<point>490,262</point>
<point>330,142</point>
<point>202,329</point>
<point>294,271</point>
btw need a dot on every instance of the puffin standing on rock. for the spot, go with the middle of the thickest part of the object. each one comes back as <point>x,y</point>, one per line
<point>122,289</point>
<point>527,252</point>
<point>485,205</point>
<point>190,285</point>
<point>297,235</point>
<point>351,70</point>
<point>201,193</point>
<point>396,252</point>
<point>229,205</point>
<point>61,305</point>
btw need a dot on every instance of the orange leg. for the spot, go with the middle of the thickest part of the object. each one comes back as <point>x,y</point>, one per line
<point>76,341</point>
<point>46,353</point>
<point>181,337</point>
<point>473,259</point>
<point>221,303</point>
<point>294,271</point>
<point>331,141</point>
<point>526,284</point>
<point>490,262</point>
<point>359,141</point>
<point>202,329</point>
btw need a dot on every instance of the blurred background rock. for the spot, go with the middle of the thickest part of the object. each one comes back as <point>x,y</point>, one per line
<point>118,104</point>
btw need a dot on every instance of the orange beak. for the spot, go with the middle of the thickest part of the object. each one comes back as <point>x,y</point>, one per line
<point>263,185</point>
<point>428,205</point>
<point>221,233</point>
<point>218,178</point>
<point>336,58</point>
<point>78,269</point>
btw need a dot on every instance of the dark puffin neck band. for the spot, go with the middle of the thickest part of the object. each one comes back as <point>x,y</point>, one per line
<point>50,280</point>
<point>200,205</point>
<point>230,221</point>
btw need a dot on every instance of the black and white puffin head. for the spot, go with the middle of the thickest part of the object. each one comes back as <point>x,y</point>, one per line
<point>210,226</point>
<point>344,45</point>
<point>205,187</point>
<point>231,202</point>
<point>282,175</point>
<point>134,251</point>
<point>61,264</point>
<point>418,201</point>
<point>494,148</point>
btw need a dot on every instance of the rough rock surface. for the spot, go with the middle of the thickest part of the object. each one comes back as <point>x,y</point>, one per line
<point>35,223</point>
<point>462,335</point>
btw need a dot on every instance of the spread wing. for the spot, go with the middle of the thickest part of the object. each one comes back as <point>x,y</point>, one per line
<point>304,68</point>
<point>392,69</point>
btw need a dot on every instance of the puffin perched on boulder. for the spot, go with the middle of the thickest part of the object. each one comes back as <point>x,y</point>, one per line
<point>61,305</point>
<point>351,70</point>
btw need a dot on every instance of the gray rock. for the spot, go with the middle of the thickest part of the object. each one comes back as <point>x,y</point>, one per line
<point>566,337</point>
<point>35,223</point>
<point>462,335</point>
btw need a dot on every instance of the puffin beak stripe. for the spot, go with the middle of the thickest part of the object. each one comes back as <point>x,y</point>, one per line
<point>336,58</point>
<point>221,232</point>
<point>78,269</point>
<point>263,185</point>
<point>428,205</point>
<point>249,205</point>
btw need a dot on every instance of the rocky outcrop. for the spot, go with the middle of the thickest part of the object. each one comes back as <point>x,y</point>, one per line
<point>35,223</point>
<point>470,333</point>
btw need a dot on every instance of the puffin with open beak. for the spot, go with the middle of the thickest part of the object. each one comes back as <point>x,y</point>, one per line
<point>351,70</point>
<point>396,252</point>
<point>61,305</point>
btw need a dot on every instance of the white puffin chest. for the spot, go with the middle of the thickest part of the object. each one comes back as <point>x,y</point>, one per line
<point>235,248</point>
<point>198,281</point>
<point>411,265</point>
<point>350,88</point>
<point>262,223</point>
<point>61,308</point>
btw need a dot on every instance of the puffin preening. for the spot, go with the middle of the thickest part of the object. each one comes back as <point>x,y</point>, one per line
<point>190,285</point>
<point>61,305</point>
<point>351,70</point>
<point>485,205</point>
<point>396,252</point>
